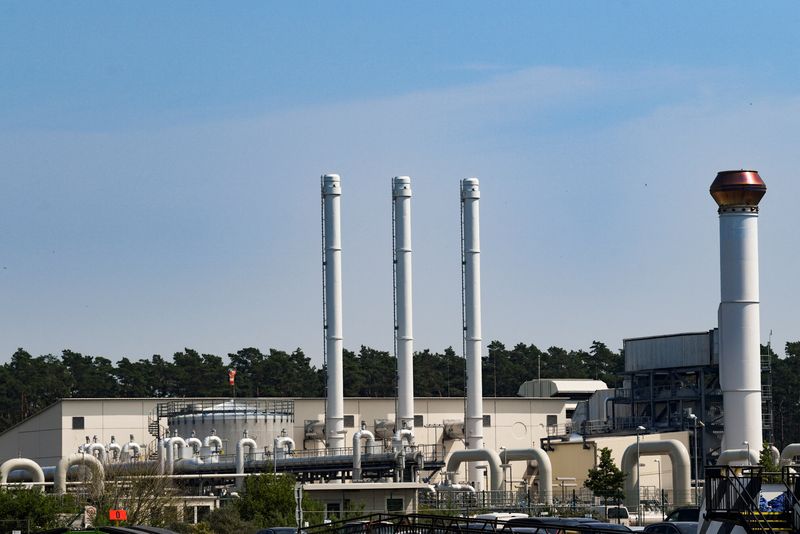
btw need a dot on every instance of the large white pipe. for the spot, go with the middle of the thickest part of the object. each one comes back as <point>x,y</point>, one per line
<point>468,455</point>
<point>745,456</point>
<point>470,198</point>
<point>129,451</point>
<point>114,449</point>
<point>789,453</point>
<point>737,194</point>
<point>99,450</point>
<point>681,468</point>
<point>94,465</point>
<point>363,433</point>
<point>282,445</point>
<point>213,438</point>
<point>404,332</point>
<point>250,443</point>
<point>195,444</point>
<point>334,400</point>
<point>35,470</point>
<point>545,476</point>
<point>171,444</point>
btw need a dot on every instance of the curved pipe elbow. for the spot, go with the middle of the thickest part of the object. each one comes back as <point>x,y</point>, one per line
<point>35,470</point>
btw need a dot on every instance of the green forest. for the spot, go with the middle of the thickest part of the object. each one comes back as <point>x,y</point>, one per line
<point>30,383</point>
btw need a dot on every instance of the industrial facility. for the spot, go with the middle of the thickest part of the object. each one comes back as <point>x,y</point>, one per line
<point>688,401</point>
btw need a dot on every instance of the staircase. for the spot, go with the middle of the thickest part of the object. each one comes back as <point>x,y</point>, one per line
<point>732,496</point>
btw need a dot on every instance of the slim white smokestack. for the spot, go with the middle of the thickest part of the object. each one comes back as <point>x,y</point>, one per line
<point>738,193</point>
<point>471,250</point>
<point>332,244</point>
<point>404,333</point>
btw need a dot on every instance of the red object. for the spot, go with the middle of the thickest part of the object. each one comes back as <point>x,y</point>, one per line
<point>118,515</point>
<point>231,376</point>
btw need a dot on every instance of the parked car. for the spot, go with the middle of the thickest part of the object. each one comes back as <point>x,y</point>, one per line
<point>684,513</point>
<point>672,527</point>
<point>278,530</point>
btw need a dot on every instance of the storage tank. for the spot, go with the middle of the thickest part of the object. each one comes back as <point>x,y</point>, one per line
<point>263,419</point>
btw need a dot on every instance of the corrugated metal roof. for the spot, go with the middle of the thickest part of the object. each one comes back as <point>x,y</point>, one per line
<point>550,387</point>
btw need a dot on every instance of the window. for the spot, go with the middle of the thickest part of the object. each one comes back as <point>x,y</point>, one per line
<point>487,421</point>
<point>552,420</point>
<point>418,421</point>
<point>77,423</point>
<point>570,413</point>
<point>349,421</point>
<point>394,505</point>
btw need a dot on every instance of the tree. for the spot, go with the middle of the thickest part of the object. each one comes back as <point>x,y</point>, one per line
<point>32,509</point>
<point>606,480</point>
<point>268,499</point>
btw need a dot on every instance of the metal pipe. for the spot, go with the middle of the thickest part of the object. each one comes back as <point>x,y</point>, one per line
<point>195,444</point>
<point>789,452</point>
<point>334,400</point>
<point>213,438</point>
<point>242,443</point>
<point>404,333</point>
<point>471,250</point>
<point>129,447</point>
<point>114,449</point>
<point>545,475</point>
<point>737,194</point>
<point>94,465</point>
<point>681,470</point>
<point>363,433</point>
<point>35,470</point>
<point>280,446</point>
<point>471,455</point>
<point>171,443</point>
<point>98,448</point>
<point>738,455</point>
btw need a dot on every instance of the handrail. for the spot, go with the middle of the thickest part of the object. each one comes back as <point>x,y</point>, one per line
<point>791,478</point>
<point>737,497</point>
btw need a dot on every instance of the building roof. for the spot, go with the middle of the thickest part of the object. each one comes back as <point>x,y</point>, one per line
<point>560,387</point>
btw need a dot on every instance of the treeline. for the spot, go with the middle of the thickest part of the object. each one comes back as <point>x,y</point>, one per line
<point>30,383</point>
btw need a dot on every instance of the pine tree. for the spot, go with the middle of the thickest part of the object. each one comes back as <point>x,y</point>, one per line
<point>606,480</point>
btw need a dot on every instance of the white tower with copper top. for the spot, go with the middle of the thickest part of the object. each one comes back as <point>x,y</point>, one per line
<point>737,194</point>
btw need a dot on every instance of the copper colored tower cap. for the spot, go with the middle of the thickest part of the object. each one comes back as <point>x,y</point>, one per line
<point>738,188</point>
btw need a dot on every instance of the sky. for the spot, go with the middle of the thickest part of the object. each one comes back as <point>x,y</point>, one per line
<point>159,168</point>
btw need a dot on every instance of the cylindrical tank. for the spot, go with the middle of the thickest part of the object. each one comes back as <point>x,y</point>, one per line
<point>262,419</point>
<point>404,331</point>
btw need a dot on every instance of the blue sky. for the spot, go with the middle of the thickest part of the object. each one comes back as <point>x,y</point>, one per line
<point>160,167</point>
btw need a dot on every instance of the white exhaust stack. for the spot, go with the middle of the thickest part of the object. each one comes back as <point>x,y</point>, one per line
<point>403,328</point>
<point>332,282</point>
<point>738,193</point>
<point>470,254</point>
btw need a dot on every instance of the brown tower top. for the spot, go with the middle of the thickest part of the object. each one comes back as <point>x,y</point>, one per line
<point>738,188</point>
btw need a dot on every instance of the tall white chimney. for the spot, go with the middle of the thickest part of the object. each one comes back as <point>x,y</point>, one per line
<point>332,268</point>
<point>737,194</point>
<point>471,257</point>
<point>404,333</point>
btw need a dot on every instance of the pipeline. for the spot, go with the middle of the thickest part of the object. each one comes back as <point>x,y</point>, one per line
<point>244,442</point>
<point>545,476</point>
<point>36,472</point>
<point>681,472</point>
<point>472,455</point>
<point>362,433</point>
<point>94,465</point>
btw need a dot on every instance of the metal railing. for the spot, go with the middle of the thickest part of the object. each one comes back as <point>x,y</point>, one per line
<point>278,410</point>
